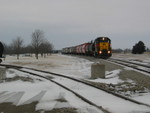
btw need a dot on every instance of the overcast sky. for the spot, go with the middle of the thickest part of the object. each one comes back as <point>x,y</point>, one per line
<point>72,22</point>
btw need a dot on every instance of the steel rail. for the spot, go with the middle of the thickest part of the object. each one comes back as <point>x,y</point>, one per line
<point>131,65</point>
<point>131,62</point>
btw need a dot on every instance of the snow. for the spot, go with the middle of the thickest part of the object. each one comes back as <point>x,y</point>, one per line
<point>99,97</point>
<point>71,66</point>
<point>47,93</point>
<point>143,98</point>
<point>111,78</point>
<point>138,58</point>
<point>43,91</point>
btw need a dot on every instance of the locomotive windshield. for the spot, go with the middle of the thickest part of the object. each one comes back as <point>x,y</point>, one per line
<point>102,39</point>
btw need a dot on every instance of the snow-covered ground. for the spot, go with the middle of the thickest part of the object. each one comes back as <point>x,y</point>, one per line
<point>137,58</point>
<point>140,58</point>
<point>48,93</point>
<point>68,65</point>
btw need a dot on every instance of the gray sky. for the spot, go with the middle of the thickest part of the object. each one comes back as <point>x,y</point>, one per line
<point>72,22</point>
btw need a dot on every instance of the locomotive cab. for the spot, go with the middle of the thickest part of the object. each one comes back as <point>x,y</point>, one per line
<point>102,47</point>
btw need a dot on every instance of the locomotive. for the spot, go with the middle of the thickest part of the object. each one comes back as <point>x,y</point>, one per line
<point>1,51</point>
<point>101,48</point>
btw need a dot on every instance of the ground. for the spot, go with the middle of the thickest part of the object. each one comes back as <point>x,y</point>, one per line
<point>119,79</point>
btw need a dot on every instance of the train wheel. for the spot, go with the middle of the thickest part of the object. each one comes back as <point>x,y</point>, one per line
<point>0,60</point>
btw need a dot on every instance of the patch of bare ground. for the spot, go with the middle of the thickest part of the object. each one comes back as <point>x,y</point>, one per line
<point>141,81</point>
<point>25,79</point>
<point>21,63</point>
<point>10,108</point>
<point>61,100</point>
<point>30,108</point>
<point>62,110</point>
<point>38,64</point>
<point>134,82</point>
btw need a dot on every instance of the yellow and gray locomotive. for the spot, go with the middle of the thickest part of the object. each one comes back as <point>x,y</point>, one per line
<point>102,47</point>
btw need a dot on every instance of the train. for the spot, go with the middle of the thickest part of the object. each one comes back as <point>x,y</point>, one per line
<point>100,47</point>
<point>1,51</point>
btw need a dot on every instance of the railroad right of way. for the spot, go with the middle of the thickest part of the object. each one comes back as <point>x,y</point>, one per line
<point>106,100</point>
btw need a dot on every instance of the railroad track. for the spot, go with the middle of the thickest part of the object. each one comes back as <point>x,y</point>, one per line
<point>79,86</point>
<point>137,66</point>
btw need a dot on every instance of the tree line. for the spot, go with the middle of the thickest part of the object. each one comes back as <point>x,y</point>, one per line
<point>39,45</point>
<point>138,48</point>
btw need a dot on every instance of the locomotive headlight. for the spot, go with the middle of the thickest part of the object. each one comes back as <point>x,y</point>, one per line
<point>108,52</point>
<point>100,52</point>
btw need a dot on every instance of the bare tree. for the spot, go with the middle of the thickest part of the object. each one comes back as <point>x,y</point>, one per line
<point>50,48</point>
<point>45,48</point>
<point>37,40</point>
<point>17,46</point>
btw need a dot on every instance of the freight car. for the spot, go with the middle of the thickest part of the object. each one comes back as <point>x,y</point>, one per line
<point>101,47</point>
<point>1,51</point>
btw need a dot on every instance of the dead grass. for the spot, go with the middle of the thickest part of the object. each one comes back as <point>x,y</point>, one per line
<point>61,100</point>
<point>10,108</point>
<point>30,108</point>
<point>25,79</point>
